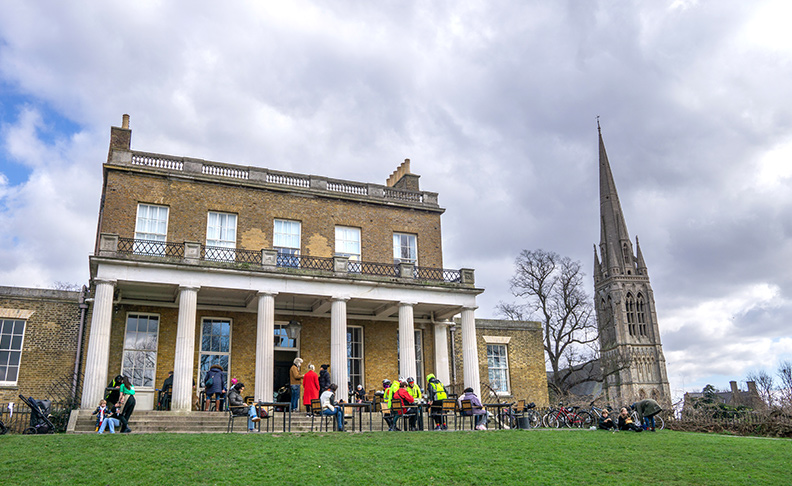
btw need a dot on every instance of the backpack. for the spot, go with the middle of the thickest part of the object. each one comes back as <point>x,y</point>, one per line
<point>209,382</point>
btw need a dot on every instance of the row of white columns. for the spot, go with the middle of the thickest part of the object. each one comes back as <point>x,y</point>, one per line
<point>96,365</point>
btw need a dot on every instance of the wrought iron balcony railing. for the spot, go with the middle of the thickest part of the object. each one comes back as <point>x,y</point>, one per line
<point>274,258</point>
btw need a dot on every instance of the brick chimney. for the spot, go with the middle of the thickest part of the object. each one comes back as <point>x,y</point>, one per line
<point>401,178</point>
<point>120,138</point>
<point>735,393</point>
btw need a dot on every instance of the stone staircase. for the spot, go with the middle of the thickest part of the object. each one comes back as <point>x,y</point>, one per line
<point>149,421</point>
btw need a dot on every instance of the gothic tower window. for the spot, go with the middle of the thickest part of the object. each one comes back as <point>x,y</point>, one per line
<point>629,304</point>
<point>626,253</point>
<point>641,315</point>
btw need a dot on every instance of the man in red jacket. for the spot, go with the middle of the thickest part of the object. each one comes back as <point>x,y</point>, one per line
<point>406,399</point>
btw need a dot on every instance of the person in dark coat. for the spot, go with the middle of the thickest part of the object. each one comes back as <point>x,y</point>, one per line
<point>605,422</point>
<point>217,388</point>
<point>647,409</point>
<point>324,378</point>
<point>113,391</point>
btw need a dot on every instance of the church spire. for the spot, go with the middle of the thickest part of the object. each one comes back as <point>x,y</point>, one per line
<point>615,242</point>
<point>640,259</point>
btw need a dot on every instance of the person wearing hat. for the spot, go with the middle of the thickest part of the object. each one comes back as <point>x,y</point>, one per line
<point>415,392</point>
<point>324,378</point>
<point>295,380</point>
<point>387,397</point>
<point>436,394</point>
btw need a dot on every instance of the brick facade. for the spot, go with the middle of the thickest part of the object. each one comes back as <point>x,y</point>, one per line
<point>50,342</point>
<point>527,375</point>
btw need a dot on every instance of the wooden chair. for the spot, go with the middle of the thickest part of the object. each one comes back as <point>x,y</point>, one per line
<point>382,407</point>
<point>466,409</point>
<point>399,411</point>
<point>448,409</point>
<point>316,412</point>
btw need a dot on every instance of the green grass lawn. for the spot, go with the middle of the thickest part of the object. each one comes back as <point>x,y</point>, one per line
<point>550,457</point>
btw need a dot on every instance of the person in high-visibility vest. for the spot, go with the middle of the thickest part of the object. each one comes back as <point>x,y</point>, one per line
<point>386,403</point>
<point>436,394</point>
<point>415,391</point>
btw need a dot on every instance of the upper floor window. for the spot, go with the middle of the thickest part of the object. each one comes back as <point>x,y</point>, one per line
<point>641,314</point>
<point>282,339</point>
<point>286,240</point>
<point>347,242</point>
<point>139,361</point>
<point>405,248</point>
<point>221,230</point>
<point>12,332</point>
<point>629,306</point>
<point>151,225</point>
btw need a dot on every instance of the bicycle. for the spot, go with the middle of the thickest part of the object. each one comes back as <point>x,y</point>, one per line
<point>659,422</point>
<point>568,417</point>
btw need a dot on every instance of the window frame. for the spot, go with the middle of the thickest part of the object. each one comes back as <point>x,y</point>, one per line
<point>11,349</point>
<point>219,242</point>
<point>288,256</point>
<point>504,370</point>
<point>411,237</point>
<point>360,358</point>
<point>281,326</point>
<point>202,352</point>
<point>351,256</point>
<point>147,248</point>
<point>155,351</point>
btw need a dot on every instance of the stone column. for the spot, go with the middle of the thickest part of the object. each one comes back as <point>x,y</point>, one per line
<point>184,361</point>
<point>406,340</point>
<point>441,352</point>
<point>338,345</point>
<point>265,346</point>
<point>98,353</point>
<point>470,350</point>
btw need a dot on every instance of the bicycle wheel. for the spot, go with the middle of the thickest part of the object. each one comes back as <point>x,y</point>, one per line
<point>659,422</point>
<point>29,431</point>
<point>583,419</point>
<point>534,420</point>
<point>555,421</point>
<point>546,417</point>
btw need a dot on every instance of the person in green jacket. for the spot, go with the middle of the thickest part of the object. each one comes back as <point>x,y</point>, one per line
<point>128,397</point>
<point>647,409</point>
<point>415,391</point>
<point>436,394</point>
<point>387,397</point>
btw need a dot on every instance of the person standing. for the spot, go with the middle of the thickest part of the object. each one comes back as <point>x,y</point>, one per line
<point>436,394</point>
<point>128,399</point>
<point>647,409</point>
<point>310,388</point>
<point>215,384</point>
<point>295,380</point>
<point>387,398</point>
<point>330,406</point>
<point>324,378</point>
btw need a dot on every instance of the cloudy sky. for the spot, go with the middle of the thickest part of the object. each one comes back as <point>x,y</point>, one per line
<point>495,103</point>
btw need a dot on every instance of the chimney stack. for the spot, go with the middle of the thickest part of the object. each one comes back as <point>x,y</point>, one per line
<point>402,178</point>
<point>120,138</point>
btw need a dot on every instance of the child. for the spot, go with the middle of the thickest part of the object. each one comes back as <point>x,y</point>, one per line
<point>626,423</point>
<point>101,413</point>
<point>605,421</point>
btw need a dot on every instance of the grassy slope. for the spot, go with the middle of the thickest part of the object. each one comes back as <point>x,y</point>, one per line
<point>505,457</point>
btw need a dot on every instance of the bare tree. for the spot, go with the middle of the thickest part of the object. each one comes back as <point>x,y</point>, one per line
<point>785,386</point>
<point>552,289</point>
<point>58,285</point>
<point>764,385</point>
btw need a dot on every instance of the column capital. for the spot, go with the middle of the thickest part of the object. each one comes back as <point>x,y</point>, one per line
<point>470,308</point>
<point>110,281</point>
<point>190,287</point>
<point>340,298</point>
<point>262,293</point>
<point>407,303</point>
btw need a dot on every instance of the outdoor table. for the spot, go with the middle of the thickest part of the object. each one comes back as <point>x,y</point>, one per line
<point>359,406</point>
<point>498,407</point>
<point>285,406</point>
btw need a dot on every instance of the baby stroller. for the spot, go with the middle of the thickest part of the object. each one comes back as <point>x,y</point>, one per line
<point>39,416</point>
<point>284,395</point>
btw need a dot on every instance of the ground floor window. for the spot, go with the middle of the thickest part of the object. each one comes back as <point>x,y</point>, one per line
<point>355,356</point>
<point>139,362</point>
<point>215,346</point>
<point>498,365</point>
<point>12,332</point>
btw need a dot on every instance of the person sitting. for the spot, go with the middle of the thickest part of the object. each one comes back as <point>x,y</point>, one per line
<point>626,423</point>
<point>478,409</point>
<point>360,394</point>
<point>330,406</point>
<point>113,420</point>
<point>387,398</point>
<point>238,406</point>
<point>403,395</point>
<point>605,422</point>
<point>163,402</point>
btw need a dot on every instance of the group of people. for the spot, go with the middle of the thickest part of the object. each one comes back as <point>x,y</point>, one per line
<point>116,408</point>
<point>646,409</point>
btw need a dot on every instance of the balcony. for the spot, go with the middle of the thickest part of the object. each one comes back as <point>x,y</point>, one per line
<point>269,260</point>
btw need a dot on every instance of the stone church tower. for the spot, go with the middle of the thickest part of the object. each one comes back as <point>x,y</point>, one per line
<point>632,359</point>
